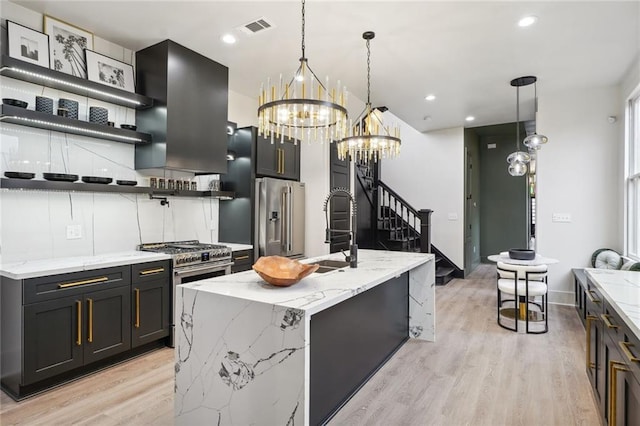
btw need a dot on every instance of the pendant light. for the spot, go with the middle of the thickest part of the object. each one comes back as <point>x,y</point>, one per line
<point>535,141</point>
<point>518,160</point>
<point>304,108</point>
<point>370,139</point>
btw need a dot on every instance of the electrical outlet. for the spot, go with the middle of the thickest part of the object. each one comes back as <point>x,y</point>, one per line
<point>561,217</point>
<point>452,216</point>
<point>213,225</point>
<point>74,232</point>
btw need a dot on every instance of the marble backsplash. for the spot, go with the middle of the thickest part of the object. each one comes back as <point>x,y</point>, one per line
<point>33,224</point>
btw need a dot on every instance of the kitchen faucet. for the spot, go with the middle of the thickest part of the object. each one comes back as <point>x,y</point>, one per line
<point>353,246</point>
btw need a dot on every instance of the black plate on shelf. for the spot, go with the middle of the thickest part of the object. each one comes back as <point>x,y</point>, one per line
<point>19,175</point>
<point>60,177</point>
<point>15,102</point>
<point>128,127</point>
<point>127,182</point>
<point>96,179</point>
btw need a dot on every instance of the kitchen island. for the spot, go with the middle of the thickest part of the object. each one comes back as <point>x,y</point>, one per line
<point>251,353</point>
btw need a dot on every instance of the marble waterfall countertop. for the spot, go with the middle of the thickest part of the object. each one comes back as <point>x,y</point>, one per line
<point>243,347</point>
<point>317,291</point>
<point>236,246</point>
<point>621,290</point>
<point>63,265</point>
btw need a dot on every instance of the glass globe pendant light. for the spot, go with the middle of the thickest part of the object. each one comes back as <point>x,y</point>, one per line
<point>304,108</point>
<point>370,139</point>
<point>518,160</point>
<point>535,141</point>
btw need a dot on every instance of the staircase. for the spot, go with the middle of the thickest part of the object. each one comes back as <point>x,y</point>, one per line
<point>399,226</point>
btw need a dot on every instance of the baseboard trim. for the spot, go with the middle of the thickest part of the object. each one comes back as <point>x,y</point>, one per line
<point>560,297</point>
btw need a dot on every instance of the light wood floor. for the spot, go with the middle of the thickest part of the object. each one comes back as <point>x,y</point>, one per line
<point>475,374</point>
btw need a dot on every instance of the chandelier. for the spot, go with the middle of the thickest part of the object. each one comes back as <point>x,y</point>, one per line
<point>304,108</point>
<point>370,139</point>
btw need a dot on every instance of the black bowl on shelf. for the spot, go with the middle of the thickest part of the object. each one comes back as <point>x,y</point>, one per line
<point>522,254</point>
<point>127,182</point>
<point>20,175</point>
<point>128,126</point>
<point>97,179</point>
<point>15,102</point>
<point>63,177</point>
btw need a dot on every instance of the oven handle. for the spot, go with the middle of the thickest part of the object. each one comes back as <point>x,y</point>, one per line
<point>189,271</point>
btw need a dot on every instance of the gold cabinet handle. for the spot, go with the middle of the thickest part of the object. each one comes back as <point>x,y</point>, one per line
<point>607,321</point>
<point>152,271</point>
<point>614,368</point>
<point>627,352</point>
<point>241,257</point>
<point>589,319</point>
<point>79,322</point>
<point>76,283</point>
<point>591,297</point>
<point>90,309</point>
<point>137,293</point>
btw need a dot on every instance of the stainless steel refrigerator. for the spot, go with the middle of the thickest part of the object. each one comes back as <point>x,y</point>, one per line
<point>279,218</point>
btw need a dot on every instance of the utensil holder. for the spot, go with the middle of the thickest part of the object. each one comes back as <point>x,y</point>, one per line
<point>44,104</point>
<point>98,115</point>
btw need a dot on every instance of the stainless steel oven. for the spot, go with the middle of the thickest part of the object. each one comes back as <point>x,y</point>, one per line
<point>192,261</point>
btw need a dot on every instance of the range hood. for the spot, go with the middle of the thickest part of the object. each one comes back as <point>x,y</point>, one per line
<point>189,117</point>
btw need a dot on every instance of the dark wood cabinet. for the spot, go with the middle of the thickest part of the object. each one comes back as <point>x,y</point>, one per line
<point>52,338</point>
<point>151,302</point>
<point>242,261</point>
<point>280,159</point>
<point>580,297</point>
<point>613,361</point>
<point>62,326</point>
<point>107,324</point>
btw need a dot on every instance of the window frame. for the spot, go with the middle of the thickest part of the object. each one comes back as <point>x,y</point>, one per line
<point>632,177</point>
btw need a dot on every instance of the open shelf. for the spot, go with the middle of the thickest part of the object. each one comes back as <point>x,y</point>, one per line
<point>20,70</point>
<point>41,120</point>
<point>45,185</point>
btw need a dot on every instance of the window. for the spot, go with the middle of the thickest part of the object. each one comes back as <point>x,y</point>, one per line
<point>633,178</point>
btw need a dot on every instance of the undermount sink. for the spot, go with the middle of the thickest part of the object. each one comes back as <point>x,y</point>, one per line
<point>330,265</point>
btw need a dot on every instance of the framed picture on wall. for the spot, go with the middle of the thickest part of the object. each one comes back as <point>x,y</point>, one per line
<point>28,45</point>
<point>66,46</point>
<point>111,72</point>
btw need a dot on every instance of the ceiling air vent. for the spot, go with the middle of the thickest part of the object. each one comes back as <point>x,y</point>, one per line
<point>254,27</point>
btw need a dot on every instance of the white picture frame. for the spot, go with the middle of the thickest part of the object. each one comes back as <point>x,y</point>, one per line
<point>27,44</point>
<point>110,72</point>
<point>66,46</point>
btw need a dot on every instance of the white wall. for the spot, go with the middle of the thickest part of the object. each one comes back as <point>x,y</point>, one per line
<point>578,173</point>
<point>243,110</point>
<point>429,174</point>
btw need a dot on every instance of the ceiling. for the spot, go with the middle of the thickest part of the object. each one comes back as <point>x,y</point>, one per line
<point>465,53</point>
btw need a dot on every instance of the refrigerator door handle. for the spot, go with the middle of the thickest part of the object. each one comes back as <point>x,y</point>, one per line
<point>289,220</point>
<point>283,220</point>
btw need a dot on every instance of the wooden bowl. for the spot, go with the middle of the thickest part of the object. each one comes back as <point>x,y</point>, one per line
<point>282,271</point>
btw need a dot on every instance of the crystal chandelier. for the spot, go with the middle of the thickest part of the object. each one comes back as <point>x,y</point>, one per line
<point>370,139</point>
<point>304,108</point>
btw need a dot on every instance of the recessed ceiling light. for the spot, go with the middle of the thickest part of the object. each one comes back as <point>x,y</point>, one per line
<point>430,97</point>
<point>470,118</point>
<point>527,21</point>
<point>229,38</point>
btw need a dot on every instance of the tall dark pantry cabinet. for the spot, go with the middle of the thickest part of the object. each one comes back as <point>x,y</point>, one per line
<point>255,156</point>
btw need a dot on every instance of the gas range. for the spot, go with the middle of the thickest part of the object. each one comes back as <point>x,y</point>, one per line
<point>190,253</point>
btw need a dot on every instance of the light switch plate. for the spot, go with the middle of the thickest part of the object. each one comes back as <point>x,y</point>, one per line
<point>561,217</point>
<point>74,232</point>
<point>452,216</point>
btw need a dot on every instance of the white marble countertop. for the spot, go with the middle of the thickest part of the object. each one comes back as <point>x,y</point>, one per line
<point>236,246</point>
<point>621,290</point>
<point>317,291</point>
<point>63,265</point>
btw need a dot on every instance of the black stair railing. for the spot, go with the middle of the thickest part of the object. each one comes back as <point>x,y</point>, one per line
<point>405,224</point>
